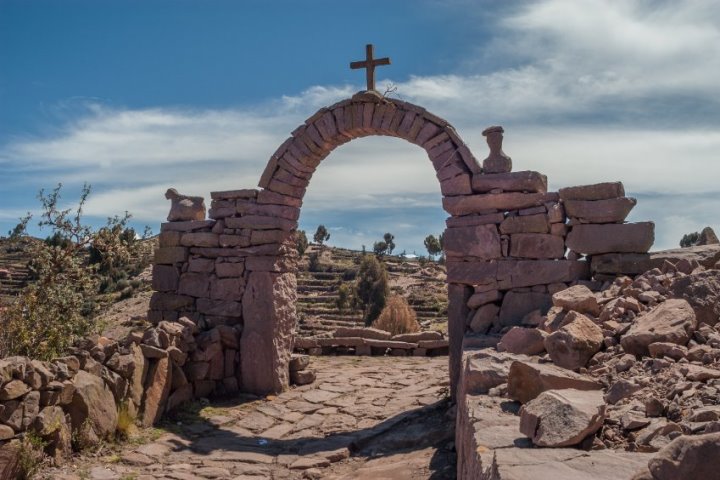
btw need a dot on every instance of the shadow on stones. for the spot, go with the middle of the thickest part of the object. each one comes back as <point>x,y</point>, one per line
<point>431,426</point>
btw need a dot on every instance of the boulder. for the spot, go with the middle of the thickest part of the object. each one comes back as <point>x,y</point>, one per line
<point>578,298</point>
<point>51,426</point>
<point>516,305</point>
<point>707,237</point>
<point>526,341</point>
<point>702,291</point>
<point>562,418</point>
<point>672,321</point>
<point>688,457</point>
<point>13,389</point>
<point>92,405</point>
<point>299,362</point>
<point>484,318</point>
<point>574,344</point>
<point>484,370</point>
<point>528,380</point>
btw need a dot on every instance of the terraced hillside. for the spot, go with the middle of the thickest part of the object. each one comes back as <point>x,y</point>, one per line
<point>14,272</point>
<point>423,286</point>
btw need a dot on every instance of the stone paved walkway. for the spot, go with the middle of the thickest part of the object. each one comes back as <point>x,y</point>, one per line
<point>364,418</point>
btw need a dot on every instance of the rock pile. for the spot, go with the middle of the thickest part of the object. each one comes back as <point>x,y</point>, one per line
<point>80,396</point>
<point>629,365</point>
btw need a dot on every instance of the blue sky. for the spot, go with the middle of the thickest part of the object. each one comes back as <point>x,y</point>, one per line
<point>137,96</point>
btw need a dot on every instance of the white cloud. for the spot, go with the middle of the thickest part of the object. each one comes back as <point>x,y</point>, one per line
<point>589,91</point>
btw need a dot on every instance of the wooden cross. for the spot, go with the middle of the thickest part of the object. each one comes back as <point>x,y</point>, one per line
<point>369,64</point>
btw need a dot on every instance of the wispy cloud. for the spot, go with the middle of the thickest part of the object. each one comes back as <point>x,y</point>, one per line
<point>588,91</point>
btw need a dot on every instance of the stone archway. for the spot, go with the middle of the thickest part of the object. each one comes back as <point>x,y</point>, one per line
<point>268,304</point>
<point>508,246</point>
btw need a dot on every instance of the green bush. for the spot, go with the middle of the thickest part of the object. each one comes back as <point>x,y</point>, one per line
<point>371,288</point>
<point>58,307</point>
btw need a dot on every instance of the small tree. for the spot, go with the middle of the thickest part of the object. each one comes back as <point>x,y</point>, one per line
<point>689,239</point>
<point>389,242</point>
<point>344,298</point>
<point>57,308</point>
<point>301,242</point>
<point>371,288</point>
<point>321,235</point>
<point>20,230</point>
<point>397,317</point>
<point>380,248</point>
<point>433,246</point>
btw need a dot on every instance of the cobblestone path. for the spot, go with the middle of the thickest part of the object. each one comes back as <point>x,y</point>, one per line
<point>364,418</point>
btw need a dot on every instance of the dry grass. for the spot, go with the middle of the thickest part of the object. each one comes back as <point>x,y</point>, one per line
<point>397,317</point>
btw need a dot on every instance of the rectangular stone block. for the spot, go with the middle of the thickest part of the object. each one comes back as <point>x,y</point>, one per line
<point>458,185</point>
<point>598,191</point>
<point>169,239</point>
<point>231,194</point>
<point>611,238</point>
<point>270,264</point>
<point>286,189</point>
<point>525,224</point>
<point>189,226</point>
<point>611,210</point>
<point>228,269</point>
<point>201,265</point>
<point>227,289</point>
<point>170,255</point>
<point>458,311</point>
<point>536,245</point>
<point>526,181</point>
<point>259,237</point>
<point>169,301</point>
<point>473,220</point>
<point>621,263</point>
<point>274,198</point>
<point>234,240</point>
<point>526,273</point>
<point>199,240</point>
<point>194,284</point>
<point>468,204</point>
<point>282,211</point>
<point>481,241</point>
<point>165,278</point>
<point>471,273</point>
<point>260,222</point>
<point>219,307</point>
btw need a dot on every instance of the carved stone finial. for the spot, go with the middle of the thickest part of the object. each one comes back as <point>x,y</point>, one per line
<point>185,208</point>
<point>497,161</point>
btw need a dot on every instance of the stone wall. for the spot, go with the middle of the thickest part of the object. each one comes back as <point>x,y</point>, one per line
<point>79,397</point>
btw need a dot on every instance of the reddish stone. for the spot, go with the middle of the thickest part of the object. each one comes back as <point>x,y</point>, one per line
<point>525,224</point>
<point>536,245</point>
<point>612,210</point>
<point>481,241</point>
<point>611,238</point>
<point>599,191</point>
<point>501,201</point>
<point>526,181</point>
<point>267,337</point>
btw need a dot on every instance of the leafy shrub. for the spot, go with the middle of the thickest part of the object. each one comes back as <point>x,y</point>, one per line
<point>343,300</point>
<point>314,264</point>
<point>350,274</point>
<point>371,288</point>
<point>397,317</point>
<point>58,307</point>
